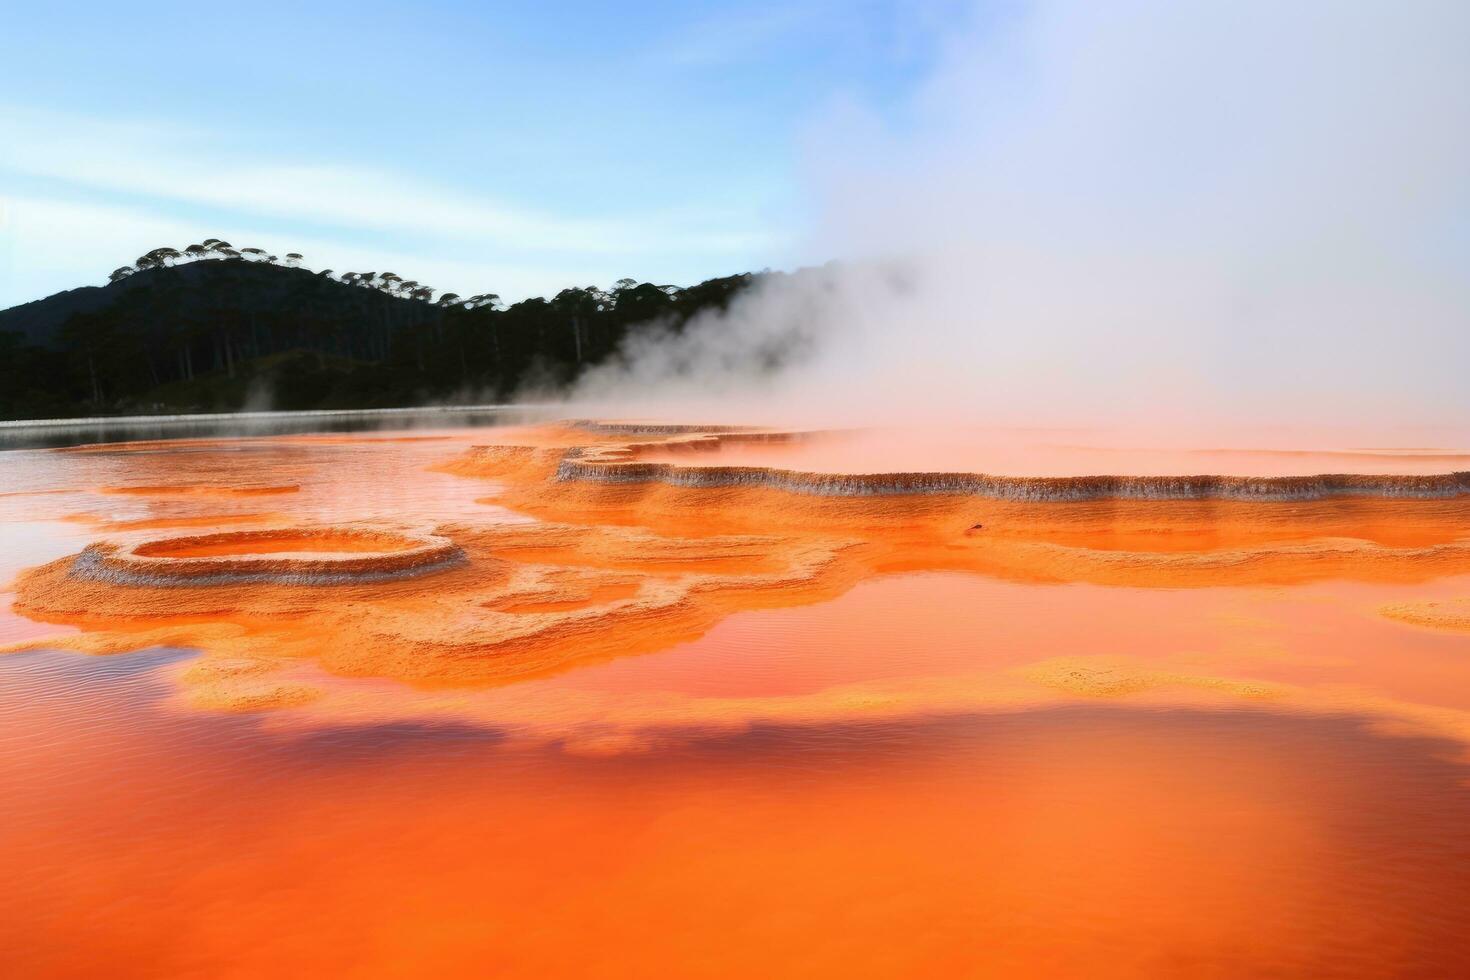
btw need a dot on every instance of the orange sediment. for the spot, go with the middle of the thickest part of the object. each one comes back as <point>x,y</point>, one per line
<point>274,542</point>
<point>644,559</point>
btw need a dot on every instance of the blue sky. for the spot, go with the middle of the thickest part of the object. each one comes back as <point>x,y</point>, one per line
<point>499,147</point>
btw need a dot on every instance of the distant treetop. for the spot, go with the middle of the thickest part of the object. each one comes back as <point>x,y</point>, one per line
<point>218,249</point>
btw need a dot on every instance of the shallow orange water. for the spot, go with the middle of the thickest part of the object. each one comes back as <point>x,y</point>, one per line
<point>922,768</point>
<point>275,545</point>
<point>1083,452</point>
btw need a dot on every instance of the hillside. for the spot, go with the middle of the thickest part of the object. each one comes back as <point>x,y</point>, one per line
<point>192,291</point>
<point>39,321</point>
<point>218,334</point>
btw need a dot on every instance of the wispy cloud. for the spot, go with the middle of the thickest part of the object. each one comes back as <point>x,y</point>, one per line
<point>51,244</point>
<point>136,185</point>
<point>183,165</point>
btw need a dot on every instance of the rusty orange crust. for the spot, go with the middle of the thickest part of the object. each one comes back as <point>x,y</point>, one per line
<point>299,556</point>
<point>528,600</point>
<point>619,568</point>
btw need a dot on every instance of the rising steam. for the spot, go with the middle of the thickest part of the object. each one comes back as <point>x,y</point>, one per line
<point>1218,212</point>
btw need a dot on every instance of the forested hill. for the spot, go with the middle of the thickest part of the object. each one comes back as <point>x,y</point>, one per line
<point>218,330</point>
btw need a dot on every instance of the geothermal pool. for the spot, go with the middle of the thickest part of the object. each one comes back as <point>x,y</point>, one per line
<point>634,699</point>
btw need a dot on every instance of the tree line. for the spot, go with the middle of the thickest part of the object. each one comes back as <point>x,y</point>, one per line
<point>212,327</point>
<point>215,248</point>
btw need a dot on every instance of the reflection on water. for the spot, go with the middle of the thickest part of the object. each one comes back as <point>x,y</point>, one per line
<point>79,432</point>
<point>1082,841</point>
<point>918,773</point>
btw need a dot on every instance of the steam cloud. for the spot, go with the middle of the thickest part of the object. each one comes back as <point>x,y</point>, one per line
<point>1131,212</point>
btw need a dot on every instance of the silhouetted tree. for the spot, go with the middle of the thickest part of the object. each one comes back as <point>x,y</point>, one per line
<point>187,329</point>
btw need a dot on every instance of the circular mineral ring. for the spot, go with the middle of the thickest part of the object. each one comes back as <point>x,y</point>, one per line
<point>292,556</point>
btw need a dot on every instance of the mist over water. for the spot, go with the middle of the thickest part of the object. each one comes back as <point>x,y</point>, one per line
<point>1174,218</point>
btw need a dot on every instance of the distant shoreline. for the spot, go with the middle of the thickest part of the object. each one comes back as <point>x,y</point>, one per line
<point>314,413</point>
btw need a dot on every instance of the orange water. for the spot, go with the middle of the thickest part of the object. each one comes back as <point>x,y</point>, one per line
<point>281,545</point>
<point>861,787</point>
<point>1082,452</point>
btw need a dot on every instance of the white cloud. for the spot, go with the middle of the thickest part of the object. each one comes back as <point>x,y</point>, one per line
<point>99,192</point>
<point>183,166</point>
<point>51,244</point>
